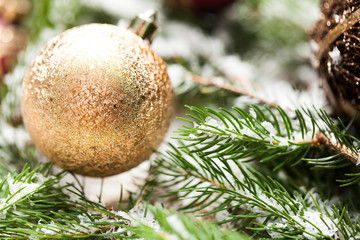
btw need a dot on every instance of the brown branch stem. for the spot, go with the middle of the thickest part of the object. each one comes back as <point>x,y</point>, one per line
<point>231,88</point>
<point>320,139</point>
<point>344,151</point>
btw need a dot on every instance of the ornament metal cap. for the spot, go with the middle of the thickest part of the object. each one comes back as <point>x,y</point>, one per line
<point>145,25</point>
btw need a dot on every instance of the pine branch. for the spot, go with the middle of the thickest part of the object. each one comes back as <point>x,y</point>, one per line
<point>252,201</point>
<point>27,199</point>
<point>268,135</point>
<point>32,204</point>
<point>339,148</point>
<point>176,226</point>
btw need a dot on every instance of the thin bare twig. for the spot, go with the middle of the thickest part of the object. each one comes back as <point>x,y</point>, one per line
<point>231,88</point>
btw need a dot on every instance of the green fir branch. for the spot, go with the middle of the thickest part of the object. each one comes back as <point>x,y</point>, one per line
<point>267,135</point>
<point>173,225</point>
<point>32,204</point>
<point>252,201</point>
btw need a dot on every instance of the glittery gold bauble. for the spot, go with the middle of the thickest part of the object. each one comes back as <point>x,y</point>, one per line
<point>97,100</point>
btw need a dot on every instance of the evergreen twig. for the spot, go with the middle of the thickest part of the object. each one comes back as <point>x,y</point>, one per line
<point>266,135</point>
<point>251,200</point>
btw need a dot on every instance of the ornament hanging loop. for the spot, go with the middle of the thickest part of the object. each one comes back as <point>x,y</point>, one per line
<point>145,25</point>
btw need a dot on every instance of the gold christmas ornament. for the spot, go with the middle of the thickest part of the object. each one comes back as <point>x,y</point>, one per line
<point>97,100</point>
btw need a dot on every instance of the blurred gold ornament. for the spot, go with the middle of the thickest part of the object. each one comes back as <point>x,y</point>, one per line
<point>12,40</point>
<point>97,100</point>
<point>14,10</point>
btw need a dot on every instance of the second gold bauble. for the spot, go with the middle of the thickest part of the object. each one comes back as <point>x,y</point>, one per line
<point>97,100</point>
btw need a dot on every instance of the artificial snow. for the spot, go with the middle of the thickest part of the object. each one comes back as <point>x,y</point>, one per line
<point>276,235</point>
<point>175,222</point>
<point>221,216</point>
<point>211,124</point>
<point>178,75</point>
<point>19,189</point>
<point>139,214</point>
<point>300,13</point>
<point>316,223</point>
<point>244,101</point>
<point>13,136</point>
<point>127,9</point>
<point>314,46</point>
<point>50,229</point>
<point>74,197</point>
<point>335,55</point>
<point>186,41</point>
<point>85,224</point>
<point>337,18</point>
<point>236,68</point>
<point>311,219</point>
<point>252,113</point>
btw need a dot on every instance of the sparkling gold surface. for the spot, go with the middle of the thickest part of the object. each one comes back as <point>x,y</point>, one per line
<point>97,100</point>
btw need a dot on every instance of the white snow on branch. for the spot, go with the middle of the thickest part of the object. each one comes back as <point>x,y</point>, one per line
<point>316,223</point>
<point>13,136</point>
<point>215,127</point>
<point>189,42</point>
<point>139,214</point>
<point>301,13</point>
<point>176,223</point>
<point>312,221</point>
<point>179,75</point>
<point>20,188</point>
<point>84,224</point>
<point>335,55</point>
<point>235,68</point>
<point>50,228</point>
<point>127,9</point>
